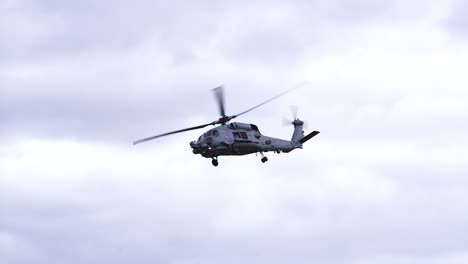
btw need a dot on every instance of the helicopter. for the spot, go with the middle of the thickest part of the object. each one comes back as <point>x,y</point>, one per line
<point>237,139</point>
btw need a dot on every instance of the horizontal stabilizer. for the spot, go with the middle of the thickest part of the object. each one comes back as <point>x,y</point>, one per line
<point>306,138</point>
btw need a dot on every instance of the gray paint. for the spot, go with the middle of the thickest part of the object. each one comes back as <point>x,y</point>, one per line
<point>237,139</point>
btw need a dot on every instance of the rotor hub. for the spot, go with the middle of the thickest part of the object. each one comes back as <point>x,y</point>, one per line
<point>224,119</point>
<point>298,122</point>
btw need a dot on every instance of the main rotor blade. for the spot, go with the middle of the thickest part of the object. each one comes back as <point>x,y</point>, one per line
<point>219,94</point>
<point>266,102</point>
<point>170,133</point>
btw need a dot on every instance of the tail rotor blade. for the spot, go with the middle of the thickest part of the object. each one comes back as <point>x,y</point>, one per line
<point>294,110</point>
<point>286,122</point>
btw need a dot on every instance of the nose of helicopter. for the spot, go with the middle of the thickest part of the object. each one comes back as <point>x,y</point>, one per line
<point>202,142</point>
<point>195,147</point>
<point>201,145</point>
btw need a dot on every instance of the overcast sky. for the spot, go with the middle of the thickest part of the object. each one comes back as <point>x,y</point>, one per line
<point>385,181</point>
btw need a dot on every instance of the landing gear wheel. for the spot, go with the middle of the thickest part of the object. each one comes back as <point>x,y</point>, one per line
<point>215,162</point>
<point>264,159</point>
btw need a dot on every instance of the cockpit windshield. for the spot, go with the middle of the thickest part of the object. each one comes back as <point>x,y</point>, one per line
<point>254,127</point>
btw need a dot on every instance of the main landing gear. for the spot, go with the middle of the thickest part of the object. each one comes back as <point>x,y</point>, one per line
<point>264,159</point>
<point>215,162</point>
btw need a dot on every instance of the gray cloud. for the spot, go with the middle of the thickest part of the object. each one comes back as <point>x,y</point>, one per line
<point>384,183</point>
<point>457,22</point>
<point>127,56</point>
<point>79,27</point>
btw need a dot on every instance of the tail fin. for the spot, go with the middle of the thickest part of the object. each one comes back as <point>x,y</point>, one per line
<point>298,133</point>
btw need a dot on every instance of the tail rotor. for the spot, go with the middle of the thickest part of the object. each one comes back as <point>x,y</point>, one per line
<point>296,120</point>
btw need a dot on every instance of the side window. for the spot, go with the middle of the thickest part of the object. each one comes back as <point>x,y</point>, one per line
<point>244,135</point>
<point>236,135</point>
<point>215,133</point>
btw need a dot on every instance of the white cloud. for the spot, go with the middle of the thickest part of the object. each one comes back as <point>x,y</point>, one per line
<point>121,186</point>
<point>430,107</point>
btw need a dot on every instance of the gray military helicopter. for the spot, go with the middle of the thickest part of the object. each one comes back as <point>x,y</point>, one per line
<point>236,139</point>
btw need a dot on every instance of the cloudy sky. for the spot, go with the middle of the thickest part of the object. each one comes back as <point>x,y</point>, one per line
<point>385,182</point>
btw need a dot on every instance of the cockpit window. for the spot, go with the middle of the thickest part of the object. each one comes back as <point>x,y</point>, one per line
<point>254,127</point>
<point>240,135</point>
<point>244,135</point>
<point>207,134</point>
<point>215,133</point>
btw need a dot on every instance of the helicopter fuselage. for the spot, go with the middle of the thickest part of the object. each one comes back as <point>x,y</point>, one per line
<point>239,139</point>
